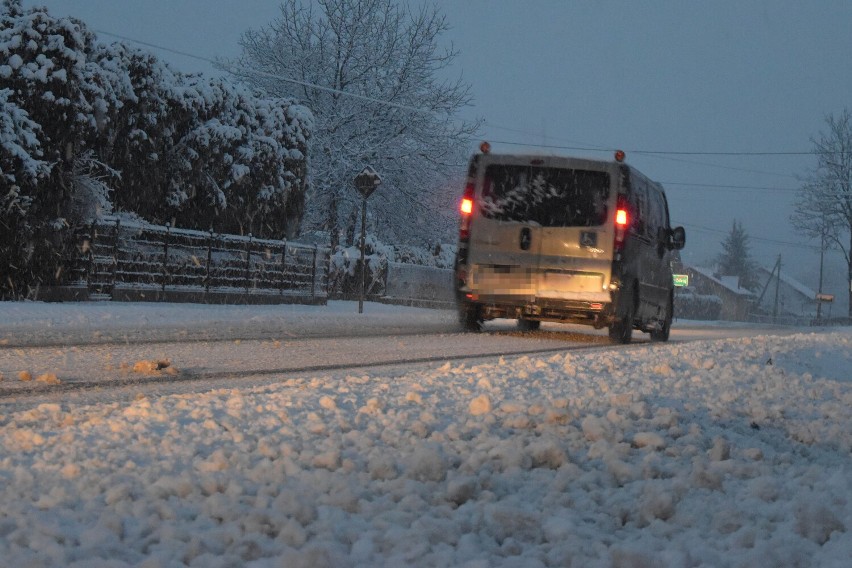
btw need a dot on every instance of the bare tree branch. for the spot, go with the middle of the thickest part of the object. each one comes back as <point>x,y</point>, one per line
<point>823,208</point>
<point>358,53</point>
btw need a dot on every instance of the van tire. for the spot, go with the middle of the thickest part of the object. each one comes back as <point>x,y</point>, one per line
<point>621,330</point>
<point>528,325</point>
<point>470,319</point>
<point>663,333</point>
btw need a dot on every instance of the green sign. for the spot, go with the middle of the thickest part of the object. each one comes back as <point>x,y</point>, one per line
<point>681,279</point>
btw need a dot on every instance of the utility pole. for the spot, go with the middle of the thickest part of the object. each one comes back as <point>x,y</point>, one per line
<point>821,255</point>
<point>777,285</point>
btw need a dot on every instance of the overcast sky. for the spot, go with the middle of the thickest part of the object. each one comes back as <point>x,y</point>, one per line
<point>652,76</point>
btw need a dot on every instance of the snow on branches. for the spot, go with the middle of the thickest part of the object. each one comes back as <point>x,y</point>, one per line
<point>371,71</point>
<point>87,127</point>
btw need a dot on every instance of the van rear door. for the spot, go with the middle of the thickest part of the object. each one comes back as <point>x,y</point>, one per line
<point>575,258</point>
<point>542,230</point>
<point>504,244</point>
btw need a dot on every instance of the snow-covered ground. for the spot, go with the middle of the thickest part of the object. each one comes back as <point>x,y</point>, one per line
<point>730,452</point>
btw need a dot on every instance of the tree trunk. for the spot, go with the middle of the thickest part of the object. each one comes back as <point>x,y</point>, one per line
<point>332,223</point>
<point>849,276</point>
<point>351,225</point>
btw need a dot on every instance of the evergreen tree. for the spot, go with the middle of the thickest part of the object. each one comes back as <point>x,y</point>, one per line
<point>735,259</point>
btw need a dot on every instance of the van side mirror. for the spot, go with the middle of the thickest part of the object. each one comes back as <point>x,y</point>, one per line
<point>678,238</point>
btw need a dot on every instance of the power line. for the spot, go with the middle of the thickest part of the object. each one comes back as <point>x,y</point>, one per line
<point>720,167</point>
<point>720,186</point>
<point>234,70</point>
<point>751,238</point>
<point>579,147</point>
<point>687,153</point>
<point>592,148</point>
<point>660,156</point>
<point>582,147</point>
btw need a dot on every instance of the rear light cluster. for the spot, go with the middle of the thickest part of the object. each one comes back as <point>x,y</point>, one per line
<point>622,222</point>
<point>466,211</point>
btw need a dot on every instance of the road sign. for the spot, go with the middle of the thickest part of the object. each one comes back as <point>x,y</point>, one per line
<point>681,279</point>
<point>367,181</point>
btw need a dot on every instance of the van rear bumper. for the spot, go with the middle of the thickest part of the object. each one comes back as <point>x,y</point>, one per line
<point>586,312</point>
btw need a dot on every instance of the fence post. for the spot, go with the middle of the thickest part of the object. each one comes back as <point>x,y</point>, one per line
<point>91,256</point>
<point>248,263</point>
<point>166,258</point>
<point>328,273</point>
<point>209,261</point>
<point>115,256</point>
<point>385,279</point>
<point>314,275</point>
<point>283,268</point>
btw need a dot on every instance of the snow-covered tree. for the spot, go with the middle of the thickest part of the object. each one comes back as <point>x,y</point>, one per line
<point>823,208</point>
<point>371,72</point>
<point>87,128</point>
<point>20,149</point>
<point>231,160</point>
<point>735,259</point>
<point>44,72</point>
<point>20,169</point>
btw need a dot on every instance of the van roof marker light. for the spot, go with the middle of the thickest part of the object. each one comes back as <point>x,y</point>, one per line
<point>620,155</point>
<point>485,147</point>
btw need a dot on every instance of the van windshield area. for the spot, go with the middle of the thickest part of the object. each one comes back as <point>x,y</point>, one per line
<point>550,197</point>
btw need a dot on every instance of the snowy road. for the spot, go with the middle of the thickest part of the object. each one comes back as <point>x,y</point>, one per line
<point>174,347</point>
<point>126,364</point>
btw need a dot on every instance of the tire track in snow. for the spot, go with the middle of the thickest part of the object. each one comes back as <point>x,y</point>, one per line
<point>82,384</point>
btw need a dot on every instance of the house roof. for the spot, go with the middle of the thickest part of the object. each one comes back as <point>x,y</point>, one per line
<point>731,283</point>
<point>791,282</point>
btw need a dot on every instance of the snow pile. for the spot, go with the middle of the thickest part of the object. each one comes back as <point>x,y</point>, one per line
<point>714,453</point>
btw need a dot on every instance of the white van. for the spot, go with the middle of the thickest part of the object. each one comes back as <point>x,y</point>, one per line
<point>573,240</point>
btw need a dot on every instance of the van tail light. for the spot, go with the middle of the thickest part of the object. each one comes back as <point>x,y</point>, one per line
<point>466,211</point>
<point>622,222</point>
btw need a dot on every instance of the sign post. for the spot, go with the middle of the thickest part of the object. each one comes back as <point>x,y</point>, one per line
<point>366,183</point>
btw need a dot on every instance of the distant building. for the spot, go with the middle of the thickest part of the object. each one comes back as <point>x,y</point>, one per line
<point>777,300</point>
<point>794,299</point>
<point>736,301</point>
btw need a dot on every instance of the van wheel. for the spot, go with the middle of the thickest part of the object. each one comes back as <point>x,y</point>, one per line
<point>621,330</point>
<point>528,325</point>
<point>662,334</point>
<point>469,318</point>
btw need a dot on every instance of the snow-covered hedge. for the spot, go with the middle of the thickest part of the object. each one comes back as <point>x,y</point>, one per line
<point>345,262</point>
<point>86,126</point>
<point>691,305</point>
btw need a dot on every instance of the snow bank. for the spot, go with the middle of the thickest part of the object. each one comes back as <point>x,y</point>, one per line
<point>714,453</point>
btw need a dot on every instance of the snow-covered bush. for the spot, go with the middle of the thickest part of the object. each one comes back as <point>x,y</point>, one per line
<point>688,304</point>
<point>439,256</point>
<point>344,272</point>
<point>90,199</point>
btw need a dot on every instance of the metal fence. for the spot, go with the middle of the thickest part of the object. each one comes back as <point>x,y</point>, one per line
<point>119,255</point>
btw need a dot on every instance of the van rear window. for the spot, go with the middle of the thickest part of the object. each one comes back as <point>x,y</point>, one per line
<point>551,197</point>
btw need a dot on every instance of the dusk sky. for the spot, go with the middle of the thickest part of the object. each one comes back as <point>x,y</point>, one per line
<point>673,83</point>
